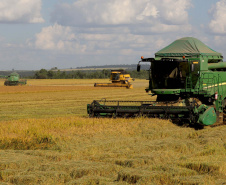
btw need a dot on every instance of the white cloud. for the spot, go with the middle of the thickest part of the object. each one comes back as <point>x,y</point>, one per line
<point>149,10</point>
<point>218,23</point>
<point>21,11</point>
<point>174,12</point>
<point>102,31</point>
<point>118,13</point>
<point>220,40</point>
<point>159,28</point>
<point>58,38</point>
<point>66,40</point>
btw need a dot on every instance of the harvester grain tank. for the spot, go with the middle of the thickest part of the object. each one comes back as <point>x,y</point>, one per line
<point>119,78</point>
<point>189,80</point>
<point>13,80</point>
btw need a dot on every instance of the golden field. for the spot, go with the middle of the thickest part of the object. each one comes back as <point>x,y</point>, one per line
<point>46,137</point>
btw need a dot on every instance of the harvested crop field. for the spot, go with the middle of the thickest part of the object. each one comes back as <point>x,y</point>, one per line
<point>46,137</point>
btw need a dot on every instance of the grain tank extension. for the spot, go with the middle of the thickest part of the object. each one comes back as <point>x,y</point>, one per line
<point>189,80</point>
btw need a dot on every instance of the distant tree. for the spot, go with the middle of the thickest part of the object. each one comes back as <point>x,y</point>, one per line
<point>54,68</point>
<point>42,74</point>
<point>50,74</point>
<point>143,74</point>
<point>63,75</point>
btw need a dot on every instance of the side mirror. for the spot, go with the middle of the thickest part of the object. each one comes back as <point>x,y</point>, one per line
<point>138,67</point>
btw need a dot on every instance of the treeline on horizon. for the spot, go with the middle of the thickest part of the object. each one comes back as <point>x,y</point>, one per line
<point>127,66</point>
<point>97,74</point>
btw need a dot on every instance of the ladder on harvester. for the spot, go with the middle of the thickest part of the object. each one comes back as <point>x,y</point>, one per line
<point>220,93</point>
<point>188,83</point>
<point>220,101</point>
<point>207,84</point>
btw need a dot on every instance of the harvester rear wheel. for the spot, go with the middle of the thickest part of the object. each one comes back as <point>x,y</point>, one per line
<point>6,83</point>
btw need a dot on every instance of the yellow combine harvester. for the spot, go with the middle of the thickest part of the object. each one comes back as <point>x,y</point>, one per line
<point>119,79</point>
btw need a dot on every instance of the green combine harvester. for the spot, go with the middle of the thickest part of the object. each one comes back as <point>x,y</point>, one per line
<point>13,80</point>
<point>189,80</point>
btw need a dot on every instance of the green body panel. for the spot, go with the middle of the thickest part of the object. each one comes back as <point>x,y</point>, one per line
<point>218,65</point>
<point>211,82</point>
<point>13,77</point>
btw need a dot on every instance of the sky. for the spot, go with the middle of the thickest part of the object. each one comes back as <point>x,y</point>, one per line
<point>37,34</point>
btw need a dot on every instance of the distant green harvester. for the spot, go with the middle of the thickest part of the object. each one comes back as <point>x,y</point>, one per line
<point>13,80</point>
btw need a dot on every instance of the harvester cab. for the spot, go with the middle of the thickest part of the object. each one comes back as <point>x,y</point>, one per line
<point>189,80</point>
<point>115,77</point>
<point>169,73</point>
